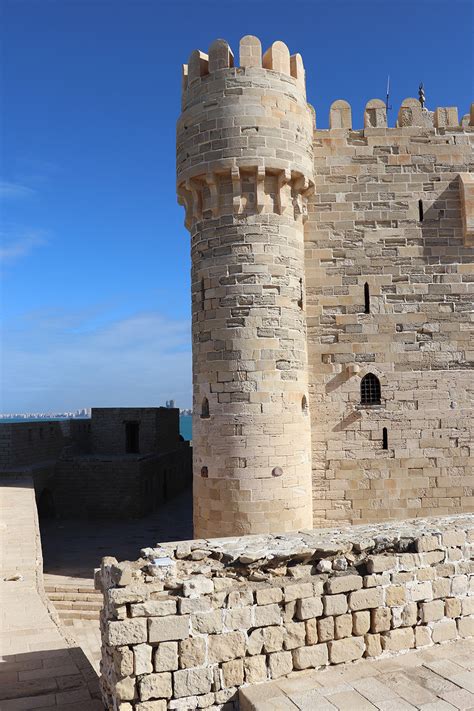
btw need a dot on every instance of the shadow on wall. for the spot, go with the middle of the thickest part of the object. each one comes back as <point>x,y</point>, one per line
<point>49,678</point>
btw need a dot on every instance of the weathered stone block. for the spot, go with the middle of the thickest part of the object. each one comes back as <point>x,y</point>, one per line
<point>164,629</point>
<point>380,619</point>
<point>126,632</point>
<point>343,626</point>
<point>430,611</point>
<point>166,657</point>
<point>325,629</point>
<point>310,657</point>
<point>343,583</point>
<point>224,647</point>
<point>373,645</point>
<point>255,668</point>
<point>365,599</point>
<point>267,596</point>
<point>125,689</point>
<point>395,595</point>
<point>155,686</point>
<point>188,682</point>
<point>396,640</point>
<point>422,637</point>
<point>334,604</point>
<point>295,635</point>
<point>207,622</point>
<point>192,652</point>
<point>142,659</point>
<point>265,615</point>
<point>381,563</point>
<point>154,608</point>
<point>280,664</point>
<point>311,632</point>
<point>444,631</point>
<point>466,626</point>
<point>309,607</point>
<point>360,622</point>
<point>346,650</point>
<point>233,673</point>
<point>298,590</point>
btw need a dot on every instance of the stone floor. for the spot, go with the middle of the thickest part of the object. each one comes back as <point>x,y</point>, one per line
<point>439,678</point>
<point>76,547</point>
<point>39,667</point>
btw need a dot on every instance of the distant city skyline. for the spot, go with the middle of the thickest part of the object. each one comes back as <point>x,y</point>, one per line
<point>95,257</point>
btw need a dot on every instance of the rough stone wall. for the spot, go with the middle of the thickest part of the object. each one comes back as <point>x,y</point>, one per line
<point>189,623</point>
<point>390,210</point>
<point>28,443</point>
<point>158,428</point>
<point>118,487</point>
<point>244,161</point>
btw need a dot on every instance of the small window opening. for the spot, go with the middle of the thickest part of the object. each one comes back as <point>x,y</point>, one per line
<point>132,437</point>
<point>366,298</point>
<point>370,393</point>
<point>300,300</point>
<point>420,210</point>
<point>205,408</point>
<point>203,294</point>
<point>304,405</point>
<point>384,438</point>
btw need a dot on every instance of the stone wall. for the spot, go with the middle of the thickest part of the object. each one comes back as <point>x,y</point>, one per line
<point>158,428</point>
<point>189,623</point>
<point>93,486</point>
<point>29,443</point>
<point>389,212</point>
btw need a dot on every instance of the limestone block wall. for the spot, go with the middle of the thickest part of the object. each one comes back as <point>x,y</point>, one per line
<point>391,219</point>
<point>189,623</point>
<point>244,165</point>
<point>118,487</point>
<point>158,428</point>
<point>28,443</point>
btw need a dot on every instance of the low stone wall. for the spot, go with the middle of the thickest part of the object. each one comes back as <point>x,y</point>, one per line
<point>189,623</point>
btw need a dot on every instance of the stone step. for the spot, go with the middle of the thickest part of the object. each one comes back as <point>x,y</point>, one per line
<point>71,589</point>
<point>53,596</point>
<point>77,605</point>
<point>79,614</point>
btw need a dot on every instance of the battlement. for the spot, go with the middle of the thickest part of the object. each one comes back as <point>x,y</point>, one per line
<point>410,114</point>
<point>277,58</point>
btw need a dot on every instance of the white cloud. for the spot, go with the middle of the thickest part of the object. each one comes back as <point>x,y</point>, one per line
<point>54,363</point>
<point>14,191</point>
<point>22,246</point>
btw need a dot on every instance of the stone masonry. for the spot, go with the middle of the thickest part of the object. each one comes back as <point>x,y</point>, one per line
<point>189,623</point>
<point>320,257</point>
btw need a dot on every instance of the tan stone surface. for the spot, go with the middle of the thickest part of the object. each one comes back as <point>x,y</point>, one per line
<point>38,667</point>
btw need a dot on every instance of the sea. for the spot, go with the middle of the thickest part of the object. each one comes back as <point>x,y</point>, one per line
<point>185,422</point>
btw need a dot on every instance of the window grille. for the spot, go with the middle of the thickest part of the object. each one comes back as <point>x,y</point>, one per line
<point>370,390</point>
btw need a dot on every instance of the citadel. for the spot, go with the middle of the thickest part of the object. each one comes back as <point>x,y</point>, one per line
<point>332,475</point>
<point>332,275</point>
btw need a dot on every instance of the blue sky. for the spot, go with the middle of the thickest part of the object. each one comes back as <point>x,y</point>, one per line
<point>95,257</point>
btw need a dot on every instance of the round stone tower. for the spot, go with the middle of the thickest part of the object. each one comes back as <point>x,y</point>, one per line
<point>245,169</point>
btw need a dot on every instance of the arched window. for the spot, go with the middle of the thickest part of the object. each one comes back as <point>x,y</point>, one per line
<point>205,408</point>
<point>304,405</point>
<point>366,298</point>
<point>384,438</point>
<point>370,390</point>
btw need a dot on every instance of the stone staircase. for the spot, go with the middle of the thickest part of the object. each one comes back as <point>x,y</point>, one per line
<point>74,598</point>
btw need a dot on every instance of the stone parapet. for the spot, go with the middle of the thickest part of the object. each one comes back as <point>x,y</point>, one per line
<point>189,623</point>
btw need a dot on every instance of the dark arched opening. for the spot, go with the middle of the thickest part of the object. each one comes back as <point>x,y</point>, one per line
<point>366,298</point>
<point>205,408</point>
<point>384,438</point>
<point>370,392</point>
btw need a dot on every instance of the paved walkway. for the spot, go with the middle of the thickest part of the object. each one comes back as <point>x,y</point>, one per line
<point>39,669</point>
<point>439,678</point>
